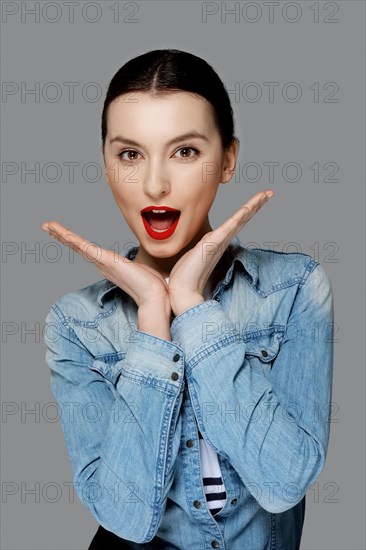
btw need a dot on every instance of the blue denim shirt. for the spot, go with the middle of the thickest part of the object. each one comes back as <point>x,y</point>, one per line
<point>250,368</point>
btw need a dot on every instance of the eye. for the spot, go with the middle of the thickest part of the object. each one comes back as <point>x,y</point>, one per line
<point>120,155</point>
<point>185,149</point>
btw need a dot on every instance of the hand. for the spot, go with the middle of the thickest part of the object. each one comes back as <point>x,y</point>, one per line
<point>143,283</point>
<point>191,272</point>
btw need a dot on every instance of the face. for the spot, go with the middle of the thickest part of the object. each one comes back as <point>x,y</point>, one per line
<point>149,164</point>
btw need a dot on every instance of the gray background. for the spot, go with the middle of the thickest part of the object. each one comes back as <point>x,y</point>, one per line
<point>322,218</point>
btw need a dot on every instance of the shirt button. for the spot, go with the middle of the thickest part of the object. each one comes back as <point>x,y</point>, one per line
<point>176,357</point>
<point>264,353</point>
<point>197,504</point>
<point>215,544</point>
<point>175,376</point>
<point>234,501</point>
<point>190,443</point>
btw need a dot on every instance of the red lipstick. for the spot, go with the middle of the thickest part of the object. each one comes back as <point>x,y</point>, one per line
<point>160,221</point>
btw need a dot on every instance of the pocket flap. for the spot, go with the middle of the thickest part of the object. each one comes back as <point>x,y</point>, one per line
<point>109,366</point>
<point>264,346</point>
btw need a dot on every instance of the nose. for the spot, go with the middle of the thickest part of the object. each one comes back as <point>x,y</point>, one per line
<point>155,182</point>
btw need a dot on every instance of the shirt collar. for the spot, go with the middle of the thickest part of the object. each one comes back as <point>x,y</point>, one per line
<point>238,253</point>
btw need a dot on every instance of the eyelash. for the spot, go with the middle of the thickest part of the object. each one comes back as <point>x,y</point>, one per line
<point>119,155</point>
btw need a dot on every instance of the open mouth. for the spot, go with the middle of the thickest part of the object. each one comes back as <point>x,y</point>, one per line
<point>161,221</point>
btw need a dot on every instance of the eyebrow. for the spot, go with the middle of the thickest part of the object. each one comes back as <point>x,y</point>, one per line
<point>187,135</point>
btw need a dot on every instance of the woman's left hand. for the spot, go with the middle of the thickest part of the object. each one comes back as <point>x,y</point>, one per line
<point>190,274</point>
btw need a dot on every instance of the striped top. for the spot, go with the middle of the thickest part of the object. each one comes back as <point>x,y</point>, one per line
<point>211,473</point>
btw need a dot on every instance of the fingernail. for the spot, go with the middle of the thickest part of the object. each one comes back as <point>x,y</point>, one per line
<point>269,194</point>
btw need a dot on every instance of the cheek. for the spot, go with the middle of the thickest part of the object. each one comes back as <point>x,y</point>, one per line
<point>201,179</point>
<point>210,173</point>
<point>121,189</point>
<point>200,204</point>
<point>121,199</point>
<point>115,174</point>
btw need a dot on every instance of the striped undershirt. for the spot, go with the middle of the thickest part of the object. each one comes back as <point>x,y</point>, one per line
<point>211,475</point>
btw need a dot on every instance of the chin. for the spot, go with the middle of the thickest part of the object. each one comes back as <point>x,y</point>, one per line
<point>164,249</point>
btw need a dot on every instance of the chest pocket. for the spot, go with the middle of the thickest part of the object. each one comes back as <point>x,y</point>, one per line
<point>262,348</point>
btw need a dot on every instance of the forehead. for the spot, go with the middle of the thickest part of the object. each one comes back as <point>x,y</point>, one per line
<point>175,111</point>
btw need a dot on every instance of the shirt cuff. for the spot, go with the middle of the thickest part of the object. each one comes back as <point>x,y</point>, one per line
<point>201,329</point>
<point>154,361</point>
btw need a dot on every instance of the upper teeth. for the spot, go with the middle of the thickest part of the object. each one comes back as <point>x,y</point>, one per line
<point>158,211</point>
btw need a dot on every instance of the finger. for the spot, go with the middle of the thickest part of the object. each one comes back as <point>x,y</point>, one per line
<point>233,225</point>
<point>87,249</point>
<point>64,235</point>
<point>252,206</point>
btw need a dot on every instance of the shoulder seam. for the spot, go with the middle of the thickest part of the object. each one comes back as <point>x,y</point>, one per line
<point>308,269</point>
<point>60,314</point>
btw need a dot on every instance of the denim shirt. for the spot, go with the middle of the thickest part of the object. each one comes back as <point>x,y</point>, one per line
<point>250,368</point>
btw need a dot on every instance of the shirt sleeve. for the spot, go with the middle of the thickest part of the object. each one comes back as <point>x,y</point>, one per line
<point>278,442</point>
<point>122,439</point>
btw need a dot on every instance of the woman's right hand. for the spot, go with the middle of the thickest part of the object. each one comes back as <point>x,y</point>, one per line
<point>143,283</point>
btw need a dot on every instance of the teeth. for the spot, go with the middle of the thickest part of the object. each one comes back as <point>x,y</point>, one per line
<point>158,211</point>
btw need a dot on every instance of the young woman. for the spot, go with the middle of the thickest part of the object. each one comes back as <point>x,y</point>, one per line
<point>194,380</point>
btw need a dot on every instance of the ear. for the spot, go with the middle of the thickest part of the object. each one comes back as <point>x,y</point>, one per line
<point>229,161</point>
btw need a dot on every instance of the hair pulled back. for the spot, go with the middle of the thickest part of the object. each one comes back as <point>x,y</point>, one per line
<point>164,71</point>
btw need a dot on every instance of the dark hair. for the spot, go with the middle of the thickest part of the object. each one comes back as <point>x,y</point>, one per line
<point>164,71</point>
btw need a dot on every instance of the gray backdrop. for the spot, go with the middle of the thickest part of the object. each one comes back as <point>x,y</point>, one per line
<point>295,72</point>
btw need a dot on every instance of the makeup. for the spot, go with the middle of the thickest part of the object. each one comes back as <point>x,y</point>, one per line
<point>160,222</point>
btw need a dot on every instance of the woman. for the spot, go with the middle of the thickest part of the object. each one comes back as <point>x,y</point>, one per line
<point>197,368</point>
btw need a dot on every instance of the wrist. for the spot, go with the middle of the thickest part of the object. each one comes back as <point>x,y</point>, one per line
<point>180,305</point>
<point>154,318</point>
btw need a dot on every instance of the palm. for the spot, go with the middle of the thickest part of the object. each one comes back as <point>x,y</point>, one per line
<point>190,274</point>
<point>140,281</point>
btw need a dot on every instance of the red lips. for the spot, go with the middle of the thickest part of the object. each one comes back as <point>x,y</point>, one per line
<point>161,224</point>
